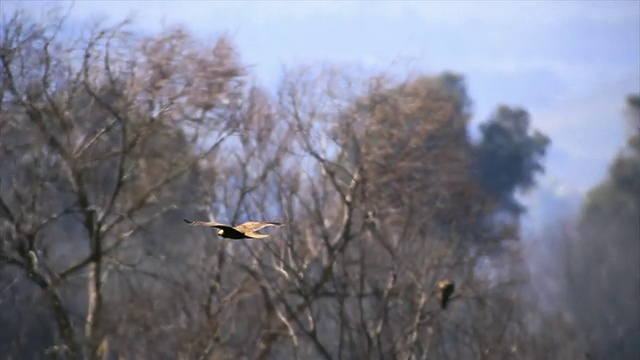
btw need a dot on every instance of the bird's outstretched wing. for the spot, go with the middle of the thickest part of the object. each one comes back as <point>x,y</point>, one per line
<point>249,228</point>
<point>205,223</point>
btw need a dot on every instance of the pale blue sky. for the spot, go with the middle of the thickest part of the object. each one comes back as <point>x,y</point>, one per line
<point>570,63</point>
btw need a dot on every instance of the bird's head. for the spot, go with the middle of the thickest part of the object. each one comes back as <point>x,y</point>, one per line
<point>446,284</point>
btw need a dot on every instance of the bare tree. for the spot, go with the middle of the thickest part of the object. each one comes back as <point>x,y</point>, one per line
<point>355,273</point>
<point>102,136</point>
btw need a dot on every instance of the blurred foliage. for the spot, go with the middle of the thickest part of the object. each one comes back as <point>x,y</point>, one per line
<point>603,277</point>
<point>508,157</point>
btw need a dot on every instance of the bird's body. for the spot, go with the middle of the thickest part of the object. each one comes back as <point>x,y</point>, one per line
<point>446,288</point>
<point>246,230</point>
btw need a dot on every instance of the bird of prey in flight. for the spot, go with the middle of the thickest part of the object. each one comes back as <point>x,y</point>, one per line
<point>446,288</point>
<point>242,231</point>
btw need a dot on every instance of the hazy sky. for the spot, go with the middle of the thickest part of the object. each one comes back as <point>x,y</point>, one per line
<point>571,64</point>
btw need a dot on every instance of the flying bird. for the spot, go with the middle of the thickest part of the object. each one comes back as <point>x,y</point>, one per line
<point>242,231</point>
<point>446,288</point>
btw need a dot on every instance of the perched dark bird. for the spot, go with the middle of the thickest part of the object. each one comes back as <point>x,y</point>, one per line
<point>446,288</point>
<point>242,231</point>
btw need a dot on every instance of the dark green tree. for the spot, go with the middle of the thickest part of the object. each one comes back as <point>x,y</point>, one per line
<point>509,155</point>
<point>603,274</point>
